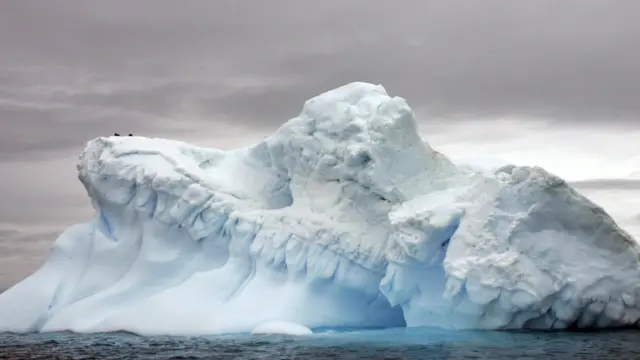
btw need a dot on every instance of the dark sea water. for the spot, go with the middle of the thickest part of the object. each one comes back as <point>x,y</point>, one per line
<point>373,344</point>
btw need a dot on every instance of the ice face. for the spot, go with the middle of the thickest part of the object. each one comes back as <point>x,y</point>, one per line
<point>342,218</point>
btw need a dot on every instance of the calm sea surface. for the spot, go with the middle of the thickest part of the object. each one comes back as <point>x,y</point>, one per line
<point>372,344</point>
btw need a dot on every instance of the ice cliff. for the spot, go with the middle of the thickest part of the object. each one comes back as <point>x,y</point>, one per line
<point>343,217</point>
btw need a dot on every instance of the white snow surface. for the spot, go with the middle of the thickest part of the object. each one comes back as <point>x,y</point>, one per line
<point>342,218</point>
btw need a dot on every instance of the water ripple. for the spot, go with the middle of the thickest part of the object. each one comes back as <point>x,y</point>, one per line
<point>374,344</point>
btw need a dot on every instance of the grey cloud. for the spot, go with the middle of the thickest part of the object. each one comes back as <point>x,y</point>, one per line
<point>574,60</point>
<point>74,69</point>
<point>42,192</point>
<point>47,132</point>
<point>41,120</point>
<point>621,184</point>
<point>21,253</point>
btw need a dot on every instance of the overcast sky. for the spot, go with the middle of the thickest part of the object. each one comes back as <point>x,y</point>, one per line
<point>554,83</point>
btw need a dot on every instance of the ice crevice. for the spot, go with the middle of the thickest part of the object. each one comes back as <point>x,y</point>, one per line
<point>344,216</point>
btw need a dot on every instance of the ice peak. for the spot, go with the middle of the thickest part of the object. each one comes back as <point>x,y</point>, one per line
<point>359,133</point>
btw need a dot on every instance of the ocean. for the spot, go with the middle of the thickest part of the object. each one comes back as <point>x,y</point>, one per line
<point>413,343</point>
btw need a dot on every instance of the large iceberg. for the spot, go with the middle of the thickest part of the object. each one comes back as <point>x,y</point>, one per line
<point>342,218</point>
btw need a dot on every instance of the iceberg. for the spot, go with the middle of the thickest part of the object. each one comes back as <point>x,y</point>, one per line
<point>344,217</point>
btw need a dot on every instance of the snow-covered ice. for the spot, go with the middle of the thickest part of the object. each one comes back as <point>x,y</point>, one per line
<point>344,217</point>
